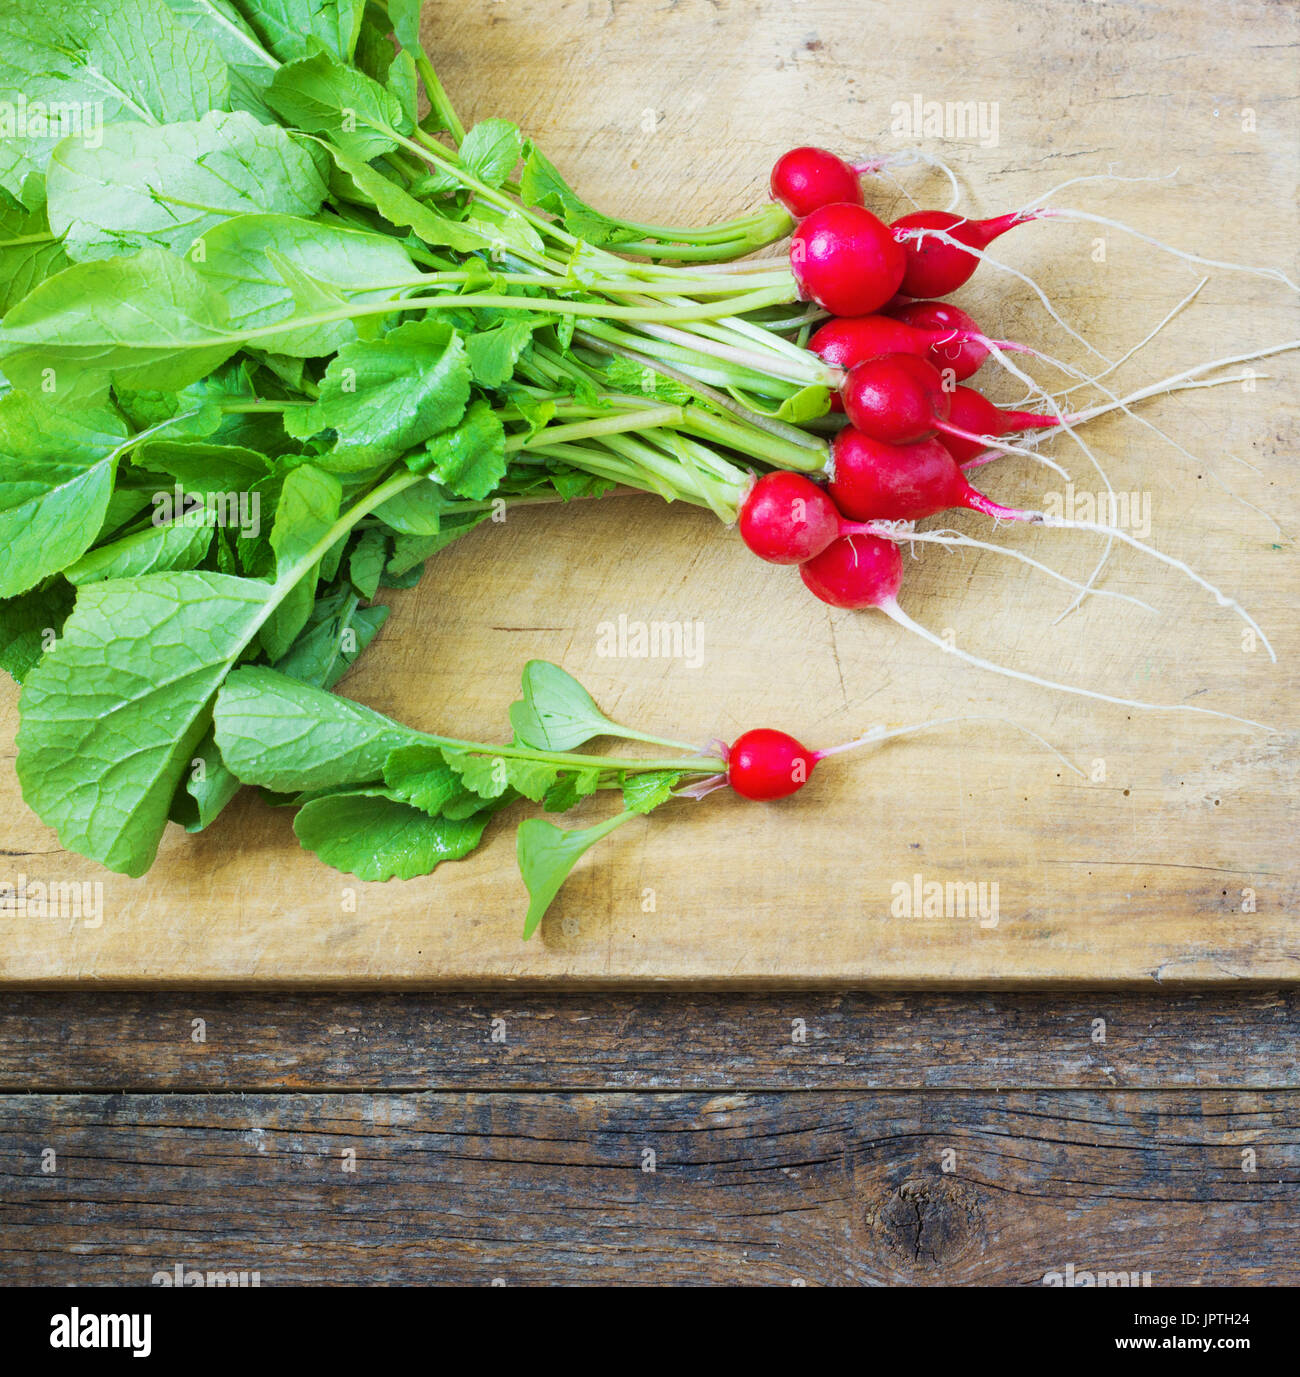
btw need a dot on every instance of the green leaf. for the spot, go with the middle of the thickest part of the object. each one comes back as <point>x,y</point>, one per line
<point>165,186</point>
<point>336,634</point>
<point>112,714</point>
<point>100,62</point>
<point>404,15</point>
<point>145,321</point>
<point>541,186</point>
<point>29,253</point>
<point>366,563</point>
<point>419,775</point>
<point>403,85</point>
<point>385,396</point>
<point>489,776</point>
<point>308,507</point>
<point>57,469</point>
<point>250,66</point>
<point>415,511</point>
<point>201,467</point>
<point>28,625</point>
<point>401,209</point>
<point>207,788</point>
<point>621,375</point>
<point>469,460</point>
<point>494,353</point>
<point>289,736</point>
<point>291,29</point>
<point>491,150</point>
<point>376,837</point>
<point>570,789</point>
<point>260,263</point>
<point>322,96</point>
<point>181,545</point>
<point>645,792</point>
<point>547,854</point>
<point>556,713</point>
<point>806,405</point>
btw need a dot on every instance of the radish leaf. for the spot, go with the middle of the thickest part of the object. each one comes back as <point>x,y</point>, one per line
<point>292,737</point>
<point>166,186</point>
<point>547,854</point>
<point>556,713</point>
<point>374,836</point>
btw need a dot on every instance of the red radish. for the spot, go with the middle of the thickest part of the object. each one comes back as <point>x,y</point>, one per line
<point>766,764</point>
<point>973,412</point>
<point>896,397</point>
<point>961,348</point>
<point>877,481</point>
<point>936,267</point>
<point>843,343</point>
<point>855,571</point>
<point>805,179</point>
<point>846,260</point>
<point>899,399</point>
<point>787,518</point>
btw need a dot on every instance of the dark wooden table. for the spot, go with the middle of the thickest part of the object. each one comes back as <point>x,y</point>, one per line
<point>785,1139</point>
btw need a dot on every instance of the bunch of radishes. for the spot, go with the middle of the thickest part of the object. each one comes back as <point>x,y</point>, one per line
<point>911,426</point>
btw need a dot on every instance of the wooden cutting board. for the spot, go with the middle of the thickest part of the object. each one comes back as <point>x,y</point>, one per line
<point>1173,859</point>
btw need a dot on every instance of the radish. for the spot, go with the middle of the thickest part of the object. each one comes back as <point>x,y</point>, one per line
<point>855,571</point>
<point>861,571</point>
<point>937,266</point>
<point>961,348</point>
<point>895,397</point>
<point>765,764</point>
<point>899,399</point>
<point>787,519</point>
<point>973,412</point>
<point>873,480</point>
<point>958,350</point>
<point>805,179</point>
<point>846,260</point>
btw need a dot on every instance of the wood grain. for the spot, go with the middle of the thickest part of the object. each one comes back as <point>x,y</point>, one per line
<point>1175,860</point>
<point>805,1040</point>
<point>823,1188</point>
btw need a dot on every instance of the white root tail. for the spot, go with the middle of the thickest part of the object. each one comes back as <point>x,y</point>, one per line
<point>892,610</point>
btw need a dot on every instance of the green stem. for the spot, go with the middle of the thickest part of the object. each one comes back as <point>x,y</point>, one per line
<point>701,765</point>
<point>438,98</point>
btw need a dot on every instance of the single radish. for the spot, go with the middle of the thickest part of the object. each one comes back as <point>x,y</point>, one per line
<point>973,412</point>
<point>895,397</point>
<point>899,399</point>
<point>846,260</point>
<point>873,480</point>
<point>962,349</point>
<point>805,179</point>
<point>787,519</point>
<point>961,345</point>
<point>855,571</point>
<point>765,764</point>
<point>866,571</point>
<point>936,267</point>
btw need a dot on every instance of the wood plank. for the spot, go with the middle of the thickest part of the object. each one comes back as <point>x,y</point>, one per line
<point>823,1189</point>
<point>1175,860</point>
<point>686,1041</point>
